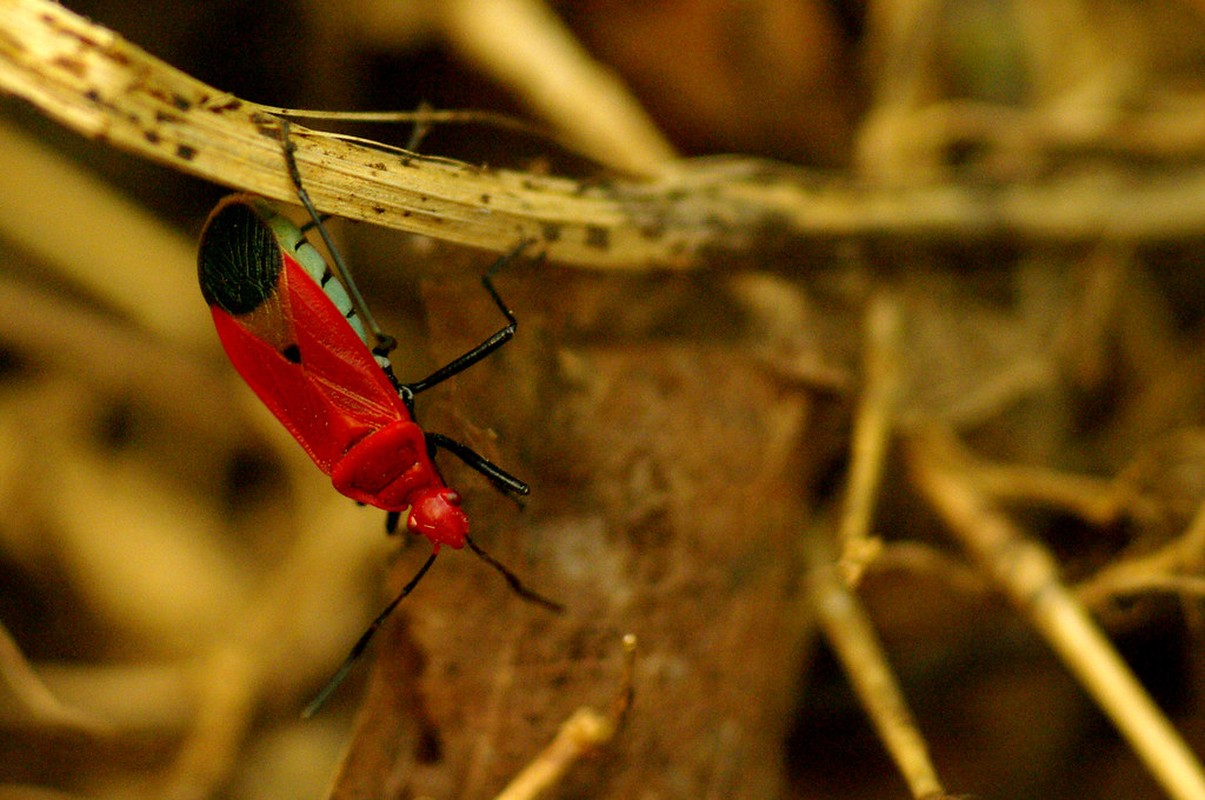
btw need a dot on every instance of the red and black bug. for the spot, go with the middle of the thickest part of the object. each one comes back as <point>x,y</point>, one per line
<point>300,337</point>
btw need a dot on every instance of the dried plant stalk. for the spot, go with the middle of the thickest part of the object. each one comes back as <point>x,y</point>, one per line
<point>1027,573</point>
<point>585,732</point>
<point>589,102</point>
<point>92,80</point>
<point>95,82</point>
<point>872,434</point>
<point>852,636</point>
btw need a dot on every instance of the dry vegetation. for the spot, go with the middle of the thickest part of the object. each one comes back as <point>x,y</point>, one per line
<point>883,437</point>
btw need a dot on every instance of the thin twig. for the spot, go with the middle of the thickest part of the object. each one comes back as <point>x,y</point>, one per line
<point>1167,569</point>
<point>1095,500</point>
<point>853,638</point>
<point>922,560</point>
<point>1028,574</point>
<point>872,432</point>
<point>583,733</point>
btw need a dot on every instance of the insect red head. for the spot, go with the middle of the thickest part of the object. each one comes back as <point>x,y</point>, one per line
<point>437,515</point>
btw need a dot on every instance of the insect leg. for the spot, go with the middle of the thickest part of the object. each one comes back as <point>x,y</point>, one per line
<point>499,338</point>
<point>309,226</point>
<point>385,342</point>
<point>498,476</point>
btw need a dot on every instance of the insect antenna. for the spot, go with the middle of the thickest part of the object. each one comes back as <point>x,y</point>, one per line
<point>361,644</point>
<point>515,584</point>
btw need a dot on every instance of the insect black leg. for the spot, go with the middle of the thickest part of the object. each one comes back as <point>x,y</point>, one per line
<point>421,127</point>
<point>392,519</point>
<point>499,477</point>
<point>385,343</point>
<point>499,338</point>
<point>309,226</point>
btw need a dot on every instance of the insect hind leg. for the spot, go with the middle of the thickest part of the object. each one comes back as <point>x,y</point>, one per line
<point>385,344</point>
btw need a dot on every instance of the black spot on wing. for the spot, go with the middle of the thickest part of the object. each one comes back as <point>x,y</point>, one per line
<point>292,353</point>
<point>239,260</point>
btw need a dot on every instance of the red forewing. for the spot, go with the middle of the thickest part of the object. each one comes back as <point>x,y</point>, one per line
<point>309,366</point>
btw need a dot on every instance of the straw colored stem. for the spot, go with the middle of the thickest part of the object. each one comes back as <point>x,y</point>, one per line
<point>852,636</point>
<point>1028,575</point>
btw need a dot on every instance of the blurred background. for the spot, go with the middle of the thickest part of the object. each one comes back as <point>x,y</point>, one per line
<point>178,579</point>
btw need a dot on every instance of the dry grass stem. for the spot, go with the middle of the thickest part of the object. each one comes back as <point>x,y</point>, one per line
<point>286,642</point>
<point>25,701</point>
<point>93,81</point>
<point>1028,575</point>
<point>849,630</point>
<point>144,268</point>
<point>871,435</point>
<point>114,357</point>
<point>581,735</point>
<point>587,102</point>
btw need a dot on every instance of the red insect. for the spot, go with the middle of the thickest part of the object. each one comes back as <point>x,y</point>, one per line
<point>299,337</point>
<point>305,355</point>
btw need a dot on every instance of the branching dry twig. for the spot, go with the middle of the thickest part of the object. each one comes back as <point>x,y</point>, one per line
<point>1028,575</point>
<point>583,733</point>
<point>852,636</point>
<point>693,213</point>
<point>1167,569</point>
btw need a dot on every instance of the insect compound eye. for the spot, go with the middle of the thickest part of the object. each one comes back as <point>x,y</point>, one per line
<point>239,260</point>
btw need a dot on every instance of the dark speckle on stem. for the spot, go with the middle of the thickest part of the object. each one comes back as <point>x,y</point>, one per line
<point>598,237</point>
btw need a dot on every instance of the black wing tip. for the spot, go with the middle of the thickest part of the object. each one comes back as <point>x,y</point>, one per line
<point>239,259</point>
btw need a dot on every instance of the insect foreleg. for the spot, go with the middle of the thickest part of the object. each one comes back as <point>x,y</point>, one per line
<point>499,477</point>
